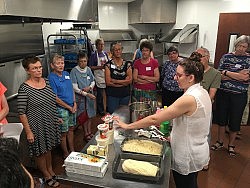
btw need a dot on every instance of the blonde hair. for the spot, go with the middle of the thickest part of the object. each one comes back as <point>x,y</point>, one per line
<point>56,57</point>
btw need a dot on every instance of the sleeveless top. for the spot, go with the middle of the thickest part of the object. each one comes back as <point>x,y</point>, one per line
<point>118,73</point>
<point>190,149</point>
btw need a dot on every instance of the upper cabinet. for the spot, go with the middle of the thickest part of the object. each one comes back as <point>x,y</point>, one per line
<point>148,11</point>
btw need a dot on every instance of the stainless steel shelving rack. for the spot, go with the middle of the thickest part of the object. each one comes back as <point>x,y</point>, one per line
<point>68,44</point>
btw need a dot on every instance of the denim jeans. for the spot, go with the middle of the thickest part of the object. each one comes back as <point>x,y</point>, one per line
<point>115,102</point>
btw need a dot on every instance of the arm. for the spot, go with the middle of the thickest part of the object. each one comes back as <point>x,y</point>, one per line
<point>242,75</point>
<point>26,126</point>
<point>96,67</point>
<point>212,92</point>
<point>134,55</point>
<point>151,79</point>
<point>5,107</point>
<point>113,82</point>
<point>184,105</point>
<point>152,54</point>
<point>128,79</point>
<point>63,104</point>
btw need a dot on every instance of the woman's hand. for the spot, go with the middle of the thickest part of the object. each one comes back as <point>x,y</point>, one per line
<point>74,108</point>
<point>91,96</point>
<point>122,124</point>
<point>87,89</point>
<point>30,137</point>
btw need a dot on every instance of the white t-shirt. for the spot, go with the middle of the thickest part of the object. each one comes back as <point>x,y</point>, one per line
<point>189,136</point>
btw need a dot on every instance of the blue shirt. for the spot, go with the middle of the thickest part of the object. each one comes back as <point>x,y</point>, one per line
<point>62,87</point>
<point>234,63</point>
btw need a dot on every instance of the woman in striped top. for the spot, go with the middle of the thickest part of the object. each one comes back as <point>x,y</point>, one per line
<point>37,111</point>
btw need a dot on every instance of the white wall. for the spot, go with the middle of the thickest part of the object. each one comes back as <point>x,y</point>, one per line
<point>113,15</point>
<point>206,14</point>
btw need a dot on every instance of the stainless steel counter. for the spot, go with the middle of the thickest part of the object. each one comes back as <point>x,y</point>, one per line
<point>108,180</point>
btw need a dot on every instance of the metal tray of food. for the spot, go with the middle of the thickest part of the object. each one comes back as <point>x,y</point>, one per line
<point>162,152</point>
<point>118,172</point>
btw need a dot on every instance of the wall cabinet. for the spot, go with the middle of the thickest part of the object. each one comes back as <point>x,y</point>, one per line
<point>148,11</point>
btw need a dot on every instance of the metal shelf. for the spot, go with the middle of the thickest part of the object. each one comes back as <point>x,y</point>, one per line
<point>68,45</point>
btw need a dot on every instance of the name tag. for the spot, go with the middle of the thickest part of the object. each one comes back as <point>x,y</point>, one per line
<point>88,77</point>
<point>237,66</point>
<point>112,66</point>
<point>67,78</point>
<point>148,68</point>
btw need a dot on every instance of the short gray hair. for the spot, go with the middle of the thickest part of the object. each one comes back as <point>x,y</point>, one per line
<point>242,39</point>
<point>205,50</point>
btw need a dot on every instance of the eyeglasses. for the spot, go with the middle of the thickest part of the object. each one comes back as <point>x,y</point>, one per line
<point>118,50</point>
<point>178,75</point>
<point>172,53</point>
<point>36,68</point>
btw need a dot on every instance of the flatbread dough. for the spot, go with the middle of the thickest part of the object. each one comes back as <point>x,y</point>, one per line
<point>142,146</point>
<point>139,167</point>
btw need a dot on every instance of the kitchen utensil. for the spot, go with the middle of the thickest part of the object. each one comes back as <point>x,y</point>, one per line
<point>139,110</point>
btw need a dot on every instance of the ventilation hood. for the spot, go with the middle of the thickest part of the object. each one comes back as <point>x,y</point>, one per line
<point>117,35</point>
<point>74,10</point>
<point>188,34</point>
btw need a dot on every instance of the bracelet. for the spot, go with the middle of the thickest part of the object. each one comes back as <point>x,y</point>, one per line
<point>225,73</point>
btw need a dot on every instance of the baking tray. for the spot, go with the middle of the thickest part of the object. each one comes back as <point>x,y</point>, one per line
<point>118,173</point>
<point>141,138</point>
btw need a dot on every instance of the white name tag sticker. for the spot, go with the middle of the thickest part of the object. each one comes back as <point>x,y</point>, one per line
<point>88,77</point>
<point>148,68</point>
<point>237,66</point>
<point>67,77</point>
<point>112,66</point>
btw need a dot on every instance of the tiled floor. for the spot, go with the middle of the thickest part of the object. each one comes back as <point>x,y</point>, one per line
<point>224,171</point>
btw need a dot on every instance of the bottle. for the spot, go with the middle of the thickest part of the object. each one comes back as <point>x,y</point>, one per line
<point>164,126</point>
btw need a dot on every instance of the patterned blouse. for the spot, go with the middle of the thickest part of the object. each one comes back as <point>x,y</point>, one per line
<point>234,63</point>
<point>167,75</point>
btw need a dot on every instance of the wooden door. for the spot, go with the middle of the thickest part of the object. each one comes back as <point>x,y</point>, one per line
<point>230,23</point>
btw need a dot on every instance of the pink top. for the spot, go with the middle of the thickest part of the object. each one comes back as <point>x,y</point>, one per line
<point>3,89</point>
<point>146,70</point>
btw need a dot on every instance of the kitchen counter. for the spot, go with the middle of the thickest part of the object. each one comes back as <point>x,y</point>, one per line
<point>108,180</point>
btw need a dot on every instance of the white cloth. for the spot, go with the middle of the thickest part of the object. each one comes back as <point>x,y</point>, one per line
<point>100,73</point>
<point>189,136</point>
<point>12,130</point>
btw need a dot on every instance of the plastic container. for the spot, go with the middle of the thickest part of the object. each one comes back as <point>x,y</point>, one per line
<point>164,126</point>
<point>102,141</point>
<point>111,136</point>
<point>103,128</point>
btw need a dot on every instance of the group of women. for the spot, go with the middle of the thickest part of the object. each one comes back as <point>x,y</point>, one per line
<point>191,112</point>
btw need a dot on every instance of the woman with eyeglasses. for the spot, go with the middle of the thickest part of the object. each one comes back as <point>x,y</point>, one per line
<point>170,89</point>
<point>36,104</point>
<point>231,97</point>
<point>118,77</point>
<point>191,115</point>
<point>145,75</point>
